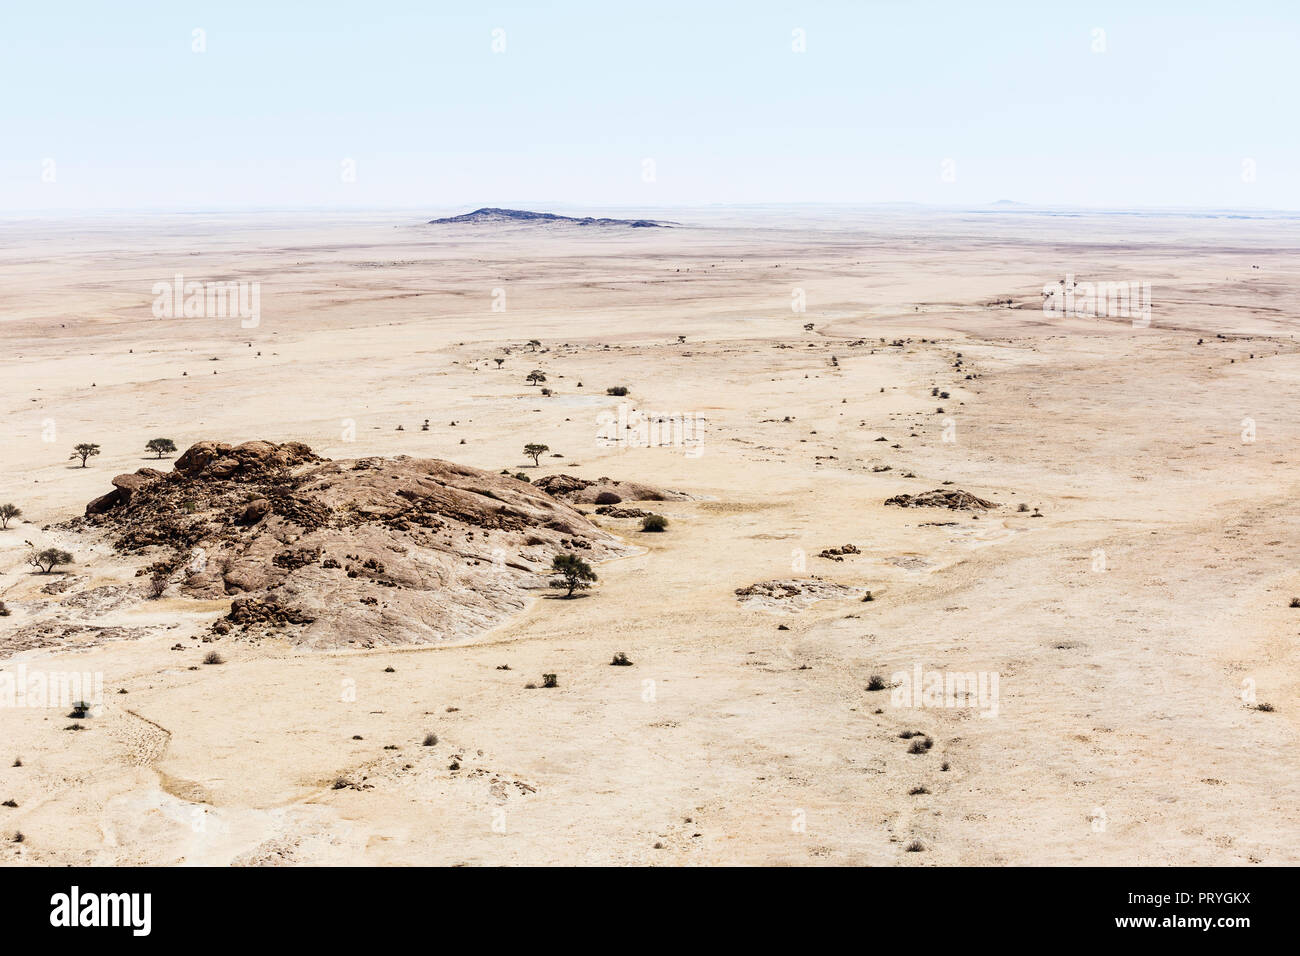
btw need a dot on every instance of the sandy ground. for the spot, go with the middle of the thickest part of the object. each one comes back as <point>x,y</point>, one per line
<point>1127,626</point>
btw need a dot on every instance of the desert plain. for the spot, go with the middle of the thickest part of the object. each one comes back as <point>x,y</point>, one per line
<point>1130,591</point>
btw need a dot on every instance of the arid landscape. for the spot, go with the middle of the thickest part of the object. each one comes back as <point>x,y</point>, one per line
<point>320,622</point>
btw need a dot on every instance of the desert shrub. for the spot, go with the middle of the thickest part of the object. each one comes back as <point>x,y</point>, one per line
<point>48,559</point>
<point>915,791</point>
<point>654,523</point>
<point>1295,602</point>
<point>876,682</point>
<point>80,709</point>
<point>608,498</point>
<point>4,610</point>
<point>212,657</point>
<point>430,740</point>
<point>341,783</point>
<point>550,680</point>
<point>916,846</point>
<point>1266,708</point>
<point>390,670</point>
<point>620,660</point>
<point>575,573</point>
<point>619,390</point>
<point>83,451</point>
<point>160,446</point>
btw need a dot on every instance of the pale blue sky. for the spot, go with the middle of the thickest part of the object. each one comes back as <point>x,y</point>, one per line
<point>1011,92</point>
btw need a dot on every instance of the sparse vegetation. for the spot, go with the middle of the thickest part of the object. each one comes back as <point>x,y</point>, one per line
<point>876,682</point>
<point>620,660</point>
<point>550,680</point>
<point>575,573</point>
<point>212,657</point>
<point>84,451</point>
<point>917,791</point>
<point>7,513</point>
<point>916,846</point>
<point>158,582</point>
<point>47,559</point>
<point>618,390</point>
<point>160,446</point>
<point>654,523</point>
<point>430,740</point>
<point>1266,708</point>
<point>535,452</point>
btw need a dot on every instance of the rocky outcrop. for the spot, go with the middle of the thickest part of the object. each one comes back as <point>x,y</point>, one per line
<point>331,553</point>
<point>603,491</point>
<point>793,595</point>
<point>955,499</point>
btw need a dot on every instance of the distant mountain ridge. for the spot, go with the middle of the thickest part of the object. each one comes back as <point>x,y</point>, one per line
<point>492,214</point>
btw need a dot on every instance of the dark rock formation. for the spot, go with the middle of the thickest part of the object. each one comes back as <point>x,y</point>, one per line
<point>492,214</point>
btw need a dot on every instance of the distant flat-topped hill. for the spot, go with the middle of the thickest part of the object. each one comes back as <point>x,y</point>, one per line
<point>489,214</point>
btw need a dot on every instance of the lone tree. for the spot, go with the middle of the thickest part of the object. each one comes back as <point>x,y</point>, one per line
<point>160,446</point>
<point>534,344</point>
<point>7,512</point>
<point>576,574</point>
<point>47,560</point>
<point>535,376</point>
<point>83,451</point>
<point>499,361</point>
<point>535,451</point>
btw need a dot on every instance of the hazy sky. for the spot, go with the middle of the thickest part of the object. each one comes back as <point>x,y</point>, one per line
<point>112,102</point>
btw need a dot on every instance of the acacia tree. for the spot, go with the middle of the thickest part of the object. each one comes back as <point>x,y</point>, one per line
<point>8,512</point>
<point>575,573</point>
<point>499,361</point>
<point>535,376</point>
<point>160,446</point>
<point>83,451</point>
<point>535,451</point>
<point>47,560</point>
<point>534,344</point>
